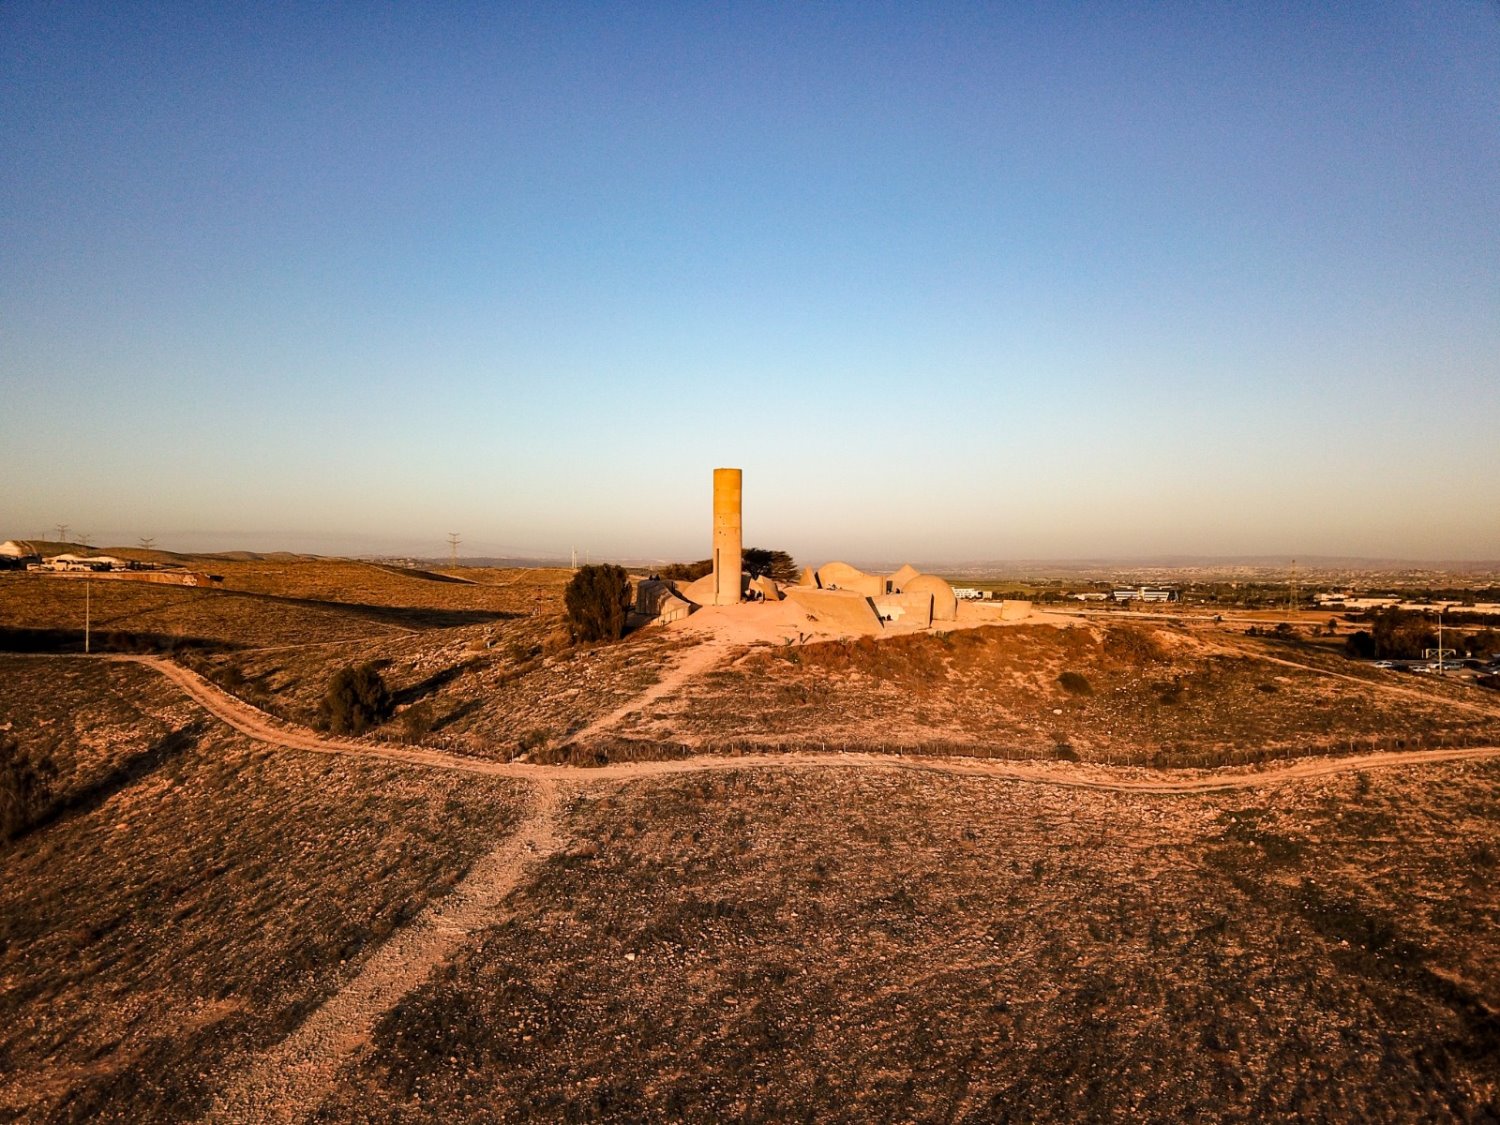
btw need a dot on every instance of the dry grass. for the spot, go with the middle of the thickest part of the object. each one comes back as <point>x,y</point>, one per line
<point>1156,696</point>
<point>479,668</point>
<point>476,654</point>
<point>898,946</point>
<point>271,603</point>
<point>194,893</point>
<point>819,944</point>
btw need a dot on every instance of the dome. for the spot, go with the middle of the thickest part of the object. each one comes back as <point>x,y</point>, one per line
<point>840,574</point>
<point>944,603</point>
<point>899,580</point>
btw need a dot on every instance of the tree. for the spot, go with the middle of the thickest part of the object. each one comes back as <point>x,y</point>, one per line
<point>778,565</point>
<point>1483,645</point>
<point>1401,634</point>
<point>356,700</point>
<point>1360,645</point>
<point>597,600</point>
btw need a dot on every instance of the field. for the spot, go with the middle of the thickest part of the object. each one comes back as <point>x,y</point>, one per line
<point>997,874</point>
<point>826,945</point>
<point>192,893</point>
<point>480,666</point>
<point>277,631</point>
<point>1118,693</point>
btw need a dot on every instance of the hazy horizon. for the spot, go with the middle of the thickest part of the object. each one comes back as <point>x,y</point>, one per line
<point>210,544</point>
<point>952,283</point>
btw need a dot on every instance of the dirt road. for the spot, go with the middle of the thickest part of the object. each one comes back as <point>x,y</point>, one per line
<point>258,725</point>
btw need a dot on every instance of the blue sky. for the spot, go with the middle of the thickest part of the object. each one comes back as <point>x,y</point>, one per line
<point>947,281</point>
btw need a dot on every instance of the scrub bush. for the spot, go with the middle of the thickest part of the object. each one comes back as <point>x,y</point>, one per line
<point>356,700</point>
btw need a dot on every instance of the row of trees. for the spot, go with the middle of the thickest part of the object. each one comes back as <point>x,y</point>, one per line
<point>758,562</point>
<point>1402,634</point>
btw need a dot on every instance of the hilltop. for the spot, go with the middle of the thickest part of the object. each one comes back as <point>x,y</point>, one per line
<point>1076,867</point>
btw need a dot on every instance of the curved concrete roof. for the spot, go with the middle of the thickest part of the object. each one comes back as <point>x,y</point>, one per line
<point>899,579</point>
<point>944,602</point>
<point>839,574</point>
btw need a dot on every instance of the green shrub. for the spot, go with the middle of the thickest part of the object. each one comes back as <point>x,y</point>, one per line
<point>597,600</point>
<point>686,572</point>
<point>25,787</point>
<point>778,565</point>
<point>1075,683</point>
<point>356,700</point>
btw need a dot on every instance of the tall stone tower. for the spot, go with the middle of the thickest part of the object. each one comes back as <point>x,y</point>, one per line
<point>728,543</point>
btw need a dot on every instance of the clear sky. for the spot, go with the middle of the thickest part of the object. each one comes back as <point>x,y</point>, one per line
<point>948,281</point>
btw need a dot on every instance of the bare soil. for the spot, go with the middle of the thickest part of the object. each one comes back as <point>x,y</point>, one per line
<point>816,945</point>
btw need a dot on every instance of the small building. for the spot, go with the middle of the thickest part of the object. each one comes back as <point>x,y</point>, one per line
<point>657,600</point>
<point>70,562</point>
<point>96,563</point>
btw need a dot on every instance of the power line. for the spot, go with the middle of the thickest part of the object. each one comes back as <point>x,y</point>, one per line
<point>453,542</point>
<point>147,542</point>
<point>62,532</point>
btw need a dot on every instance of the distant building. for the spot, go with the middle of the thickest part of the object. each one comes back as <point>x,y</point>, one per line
<point>15,554</point>
<point>968,593</point>
<point>88,562</point>
<point>1144,594</point>
<point>1366,603</point>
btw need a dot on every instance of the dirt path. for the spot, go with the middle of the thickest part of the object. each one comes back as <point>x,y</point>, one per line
<point>262,727</point>
<point>289,1081</point>
<point>698,660</point>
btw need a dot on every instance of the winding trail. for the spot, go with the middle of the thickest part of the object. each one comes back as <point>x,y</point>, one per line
<point>257,724</point>
<point>289,1081</point>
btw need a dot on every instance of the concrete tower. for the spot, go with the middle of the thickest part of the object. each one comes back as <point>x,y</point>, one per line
<point>728,544</point>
